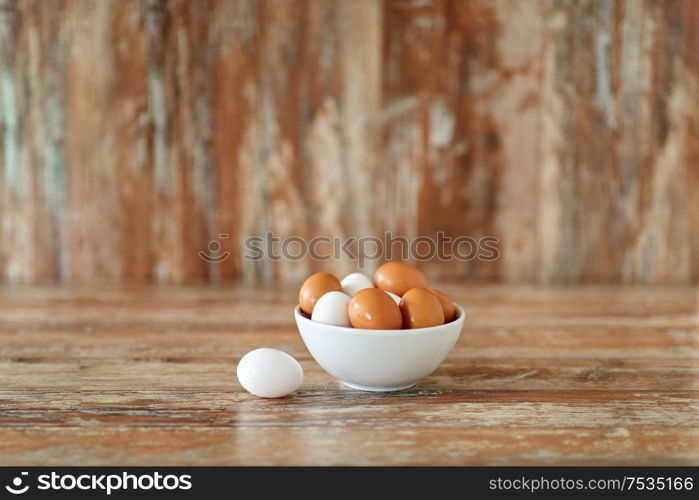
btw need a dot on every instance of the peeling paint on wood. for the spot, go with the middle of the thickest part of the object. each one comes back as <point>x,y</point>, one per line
<point>133,133</point>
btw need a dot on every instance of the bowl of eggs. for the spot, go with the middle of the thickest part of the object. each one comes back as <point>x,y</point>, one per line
<point>381,335</point>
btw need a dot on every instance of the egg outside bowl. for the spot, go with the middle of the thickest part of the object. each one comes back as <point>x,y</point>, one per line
<point>379,360</point>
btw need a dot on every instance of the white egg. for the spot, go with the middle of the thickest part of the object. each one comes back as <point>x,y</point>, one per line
<point>395,297</point>
<point>354,282</point>
<point>269,373</point>
<point>331,309</point>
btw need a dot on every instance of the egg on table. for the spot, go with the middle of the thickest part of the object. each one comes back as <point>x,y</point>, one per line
<point>354,282</point>
<point>420,308</point>
<point>331,309</point>
<point>373,309</point>
<point>315,286</point>
<point>398,278</point>
<point>269,373</point>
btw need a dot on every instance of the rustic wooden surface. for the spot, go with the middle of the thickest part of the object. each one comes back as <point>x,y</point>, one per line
<point>142,376</point>
<point>133,133</point>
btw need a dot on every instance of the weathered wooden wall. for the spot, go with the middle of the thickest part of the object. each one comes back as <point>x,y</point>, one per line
<point>132,133</point>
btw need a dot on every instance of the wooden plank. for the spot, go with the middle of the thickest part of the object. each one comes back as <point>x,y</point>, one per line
<point>290,445</point>
<point>92,240</point>
<point>456,74</point>
<point>325,407</point>
<point>619,82</point>
<point>132,125</point>
<point>179,65</point>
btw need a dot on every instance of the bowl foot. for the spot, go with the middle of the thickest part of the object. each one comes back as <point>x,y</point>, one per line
<point>378,388</point>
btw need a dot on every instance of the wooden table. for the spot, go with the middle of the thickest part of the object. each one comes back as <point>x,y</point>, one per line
<point>143,376</point>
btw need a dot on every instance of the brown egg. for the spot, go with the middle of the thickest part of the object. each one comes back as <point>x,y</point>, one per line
<point>398,278</point>
<point>421,308</point>
<point>315,286</point>
<point>447,304</point>
<point>374,309</point>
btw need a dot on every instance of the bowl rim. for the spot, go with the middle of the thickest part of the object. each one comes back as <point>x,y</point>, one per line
<point>459,319</point>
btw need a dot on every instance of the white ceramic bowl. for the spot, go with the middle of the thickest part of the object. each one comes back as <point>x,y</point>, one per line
<point>378,360</point>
